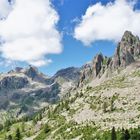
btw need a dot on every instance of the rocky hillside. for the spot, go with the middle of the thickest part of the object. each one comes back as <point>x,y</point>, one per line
<point>26,90</point>
<point>127,52</point>
<point>76,103</point>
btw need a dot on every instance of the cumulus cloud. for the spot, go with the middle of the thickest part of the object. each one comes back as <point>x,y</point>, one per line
<point>5,8</point>
<point>108,22</point>
<point>30,32</point>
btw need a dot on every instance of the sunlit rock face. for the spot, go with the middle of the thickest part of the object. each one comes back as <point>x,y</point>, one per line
<point>127,51</point>
<point>97,63</point>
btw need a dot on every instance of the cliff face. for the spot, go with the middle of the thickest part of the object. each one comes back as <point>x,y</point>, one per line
<point>127,52</point>
<point>97,64</point>
<point>28,87</point>
<point>25,90</point>
<point>13,82</point>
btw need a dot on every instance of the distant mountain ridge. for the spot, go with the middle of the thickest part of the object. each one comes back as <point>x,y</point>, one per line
<point>28,87</point>
<point>76,103</point>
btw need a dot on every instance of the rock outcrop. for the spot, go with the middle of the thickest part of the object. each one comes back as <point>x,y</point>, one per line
<point>29,86</point>
<point>127,51</point>
<point>98,63</point>
<point>13,82</point>
<point>32,72</point>
<point>86,73</point>
<point>70,73</point>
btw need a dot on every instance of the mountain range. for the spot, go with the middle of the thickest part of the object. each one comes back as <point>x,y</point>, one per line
<point>102,94</point>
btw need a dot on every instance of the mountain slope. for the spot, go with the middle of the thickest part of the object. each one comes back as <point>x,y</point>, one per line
<point>77,103</point>
<point>25,91</point>
<point>90,112</point>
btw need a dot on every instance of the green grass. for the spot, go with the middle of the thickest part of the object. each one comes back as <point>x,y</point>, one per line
<point>136,73</point>
<point>116,82</point>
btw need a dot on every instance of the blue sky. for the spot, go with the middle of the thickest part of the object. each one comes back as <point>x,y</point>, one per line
<point>78,47</point>
<point>74,52</point>
<point>69,10</point>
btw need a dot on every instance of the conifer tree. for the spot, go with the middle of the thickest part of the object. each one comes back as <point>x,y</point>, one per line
<point>1,127</point>
<point>113,134</point>
<point>104,107</point>
<point>18,135</point>
<point>112,104</point>
<point>126,135</point>
<point>122,134</point>
<point>23,126</point>
<point>46,128</point>
<point>7,125</point>
<point>39,116</point>
<point>9,137</point>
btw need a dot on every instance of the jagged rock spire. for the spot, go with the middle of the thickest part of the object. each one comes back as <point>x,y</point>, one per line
<point>97,63</point>
<point>127,51</point>
<point>32,72</point>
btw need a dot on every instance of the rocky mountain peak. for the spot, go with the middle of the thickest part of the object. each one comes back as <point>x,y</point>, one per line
<point>18,69</point>
<point>31,72</point>
<point>70,73</point>
<point>128,37</point>
<point>127,51</point>
<point>97,63</point>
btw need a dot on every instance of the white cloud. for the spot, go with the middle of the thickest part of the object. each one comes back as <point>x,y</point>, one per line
<point>41,62</point>
<point>30,32</point>
<point>5,8</point>
<point>108,22</point>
